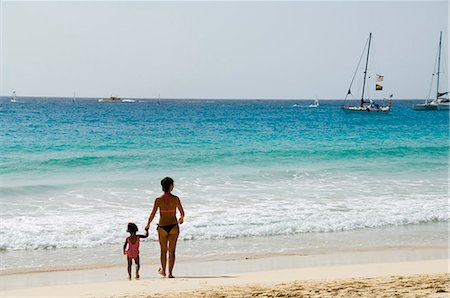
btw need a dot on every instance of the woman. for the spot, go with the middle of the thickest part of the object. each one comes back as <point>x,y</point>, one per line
<point>168,229</point>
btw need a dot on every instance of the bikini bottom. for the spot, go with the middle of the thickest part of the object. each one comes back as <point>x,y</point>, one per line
<point>167,228</point>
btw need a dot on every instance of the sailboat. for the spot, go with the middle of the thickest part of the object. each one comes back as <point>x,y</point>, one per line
<point>365,105</point>
<point>315,104</point>
<point>440,102</point>
<point>13,98</point>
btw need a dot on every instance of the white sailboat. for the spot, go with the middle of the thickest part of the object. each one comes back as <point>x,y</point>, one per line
<point>440,102</point>
<point>13,98</point>
<point>315,104</point>
<point>366,105</point>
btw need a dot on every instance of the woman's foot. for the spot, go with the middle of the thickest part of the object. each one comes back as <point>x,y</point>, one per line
<point>137,275</point>
<point>129,277</point>
<point>161,272</point>
<point>171,276</point>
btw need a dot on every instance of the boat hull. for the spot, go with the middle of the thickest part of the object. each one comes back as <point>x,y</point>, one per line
<point>111,99</point>
<point>365,109</point>
<point>431,107</point>
<point>107,100</point>
<point>116,100</point>
<point>425,107</point>
<point>444,107</point>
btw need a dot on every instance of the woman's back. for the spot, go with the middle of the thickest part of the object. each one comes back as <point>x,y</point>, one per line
<point>167,204</point>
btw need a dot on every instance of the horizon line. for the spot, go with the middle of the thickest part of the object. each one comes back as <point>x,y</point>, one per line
<point>193,98</point>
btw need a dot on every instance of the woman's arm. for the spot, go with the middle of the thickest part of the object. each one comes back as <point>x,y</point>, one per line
<point>180,207</point>
<point>152,215</point>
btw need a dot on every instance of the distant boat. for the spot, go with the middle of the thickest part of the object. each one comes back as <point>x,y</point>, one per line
<point>13,98</point>
<point>366,105</point>
<point>73,98</point>
<point>315,104</point>
<point>116,99</point>
<point>440,102</point>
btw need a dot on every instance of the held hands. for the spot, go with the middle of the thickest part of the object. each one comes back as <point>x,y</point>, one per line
<point>147,227</point>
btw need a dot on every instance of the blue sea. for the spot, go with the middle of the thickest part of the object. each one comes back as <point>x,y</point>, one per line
<point>73,174</point>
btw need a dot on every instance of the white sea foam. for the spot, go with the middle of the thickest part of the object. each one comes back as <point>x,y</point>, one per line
<point>232,205</point>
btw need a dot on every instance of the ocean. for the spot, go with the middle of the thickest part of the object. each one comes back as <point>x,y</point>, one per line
<point>267,176</point>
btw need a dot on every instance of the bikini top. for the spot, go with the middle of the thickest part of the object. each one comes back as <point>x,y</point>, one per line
<point>166,201</point>
<point>167,210</point>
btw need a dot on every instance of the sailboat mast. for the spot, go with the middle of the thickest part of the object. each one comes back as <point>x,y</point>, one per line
<point>439,66</point>
<point>365,70</point>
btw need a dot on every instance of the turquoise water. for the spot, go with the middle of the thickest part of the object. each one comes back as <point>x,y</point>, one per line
<point>73,174</point>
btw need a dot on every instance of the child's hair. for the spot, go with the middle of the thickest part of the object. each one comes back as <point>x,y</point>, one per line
<point>166,183</point>
<point>132,228</point>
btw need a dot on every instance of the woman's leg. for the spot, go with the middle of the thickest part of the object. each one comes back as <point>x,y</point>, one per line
<point>162,235</point>
<point>173,237</point>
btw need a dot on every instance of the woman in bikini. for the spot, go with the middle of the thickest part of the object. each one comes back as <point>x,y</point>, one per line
<point>168,229</point>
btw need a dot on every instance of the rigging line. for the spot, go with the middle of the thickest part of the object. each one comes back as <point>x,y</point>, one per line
<point>356,70</point>
<point>431,86</point>
<point>433,75</point>
<point>444,64</point>
<point>365,70</point>
<point>444,70</point>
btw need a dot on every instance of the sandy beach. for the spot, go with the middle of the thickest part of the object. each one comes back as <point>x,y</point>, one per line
<point>435,285</point>
<point>423,278</point>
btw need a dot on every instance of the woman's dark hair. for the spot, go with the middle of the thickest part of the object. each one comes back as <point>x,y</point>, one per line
<point>166,183</point>
<point>132,228</point>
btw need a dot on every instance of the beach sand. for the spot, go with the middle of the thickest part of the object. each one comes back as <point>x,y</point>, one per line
<point>426,278</point>
<point>425,285</point>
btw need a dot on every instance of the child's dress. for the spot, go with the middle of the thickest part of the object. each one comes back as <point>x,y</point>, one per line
<point>132,250</point>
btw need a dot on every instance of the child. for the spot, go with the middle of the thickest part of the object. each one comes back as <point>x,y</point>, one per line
<point>131,247</point>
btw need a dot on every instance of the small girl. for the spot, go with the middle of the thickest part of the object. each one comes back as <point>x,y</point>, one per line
<point>131,247</point>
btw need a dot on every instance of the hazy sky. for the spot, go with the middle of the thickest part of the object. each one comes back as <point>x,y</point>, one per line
<point>216,49</point>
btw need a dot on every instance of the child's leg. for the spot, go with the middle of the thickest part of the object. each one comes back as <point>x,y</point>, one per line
<point>138,265</point>
<point>129,267</point>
